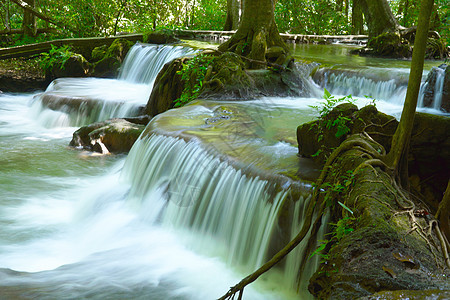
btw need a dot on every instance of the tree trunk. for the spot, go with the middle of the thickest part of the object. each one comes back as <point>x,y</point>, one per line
<point>29,20</point>
<point>232,20</point>
<point>257,32</point>
<point>379,17</point>
<point>357,17</point>
<point>397,157</point>
<point>339,5</point>
<point>403,11</point>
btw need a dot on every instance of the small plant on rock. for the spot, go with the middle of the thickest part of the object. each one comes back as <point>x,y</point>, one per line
<point>193,75</point>
<point>57,56</point>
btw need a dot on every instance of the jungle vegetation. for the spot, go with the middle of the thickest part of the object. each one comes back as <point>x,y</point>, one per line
<point>26,21</point>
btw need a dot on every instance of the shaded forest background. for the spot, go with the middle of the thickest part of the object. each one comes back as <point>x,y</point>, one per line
<point>81,18</point>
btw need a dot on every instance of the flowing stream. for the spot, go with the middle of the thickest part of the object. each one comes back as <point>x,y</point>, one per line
<point>169,221</point>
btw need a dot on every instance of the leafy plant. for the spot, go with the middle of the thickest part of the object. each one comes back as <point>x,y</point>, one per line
<point>193,74</point>
<point>325,107</point>
<point>57,56</point>
<point>344,225</point>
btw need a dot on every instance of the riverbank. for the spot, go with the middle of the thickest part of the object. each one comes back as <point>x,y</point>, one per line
<point>21,75</point>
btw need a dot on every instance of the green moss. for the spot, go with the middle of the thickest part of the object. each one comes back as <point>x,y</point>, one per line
<point>160,36</point>
<point>109,60</point>
<point>390,44</point>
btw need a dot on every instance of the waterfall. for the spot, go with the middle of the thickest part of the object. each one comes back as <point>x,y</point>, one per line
<point>360,85</point>
<point>220,210</point>
<point>80,101</point>
<point>432,90</point>
<point>136,67</point>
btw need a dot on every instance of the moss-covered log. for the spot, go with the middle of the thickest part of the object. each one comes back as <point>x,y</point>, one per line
<point>389,243</point>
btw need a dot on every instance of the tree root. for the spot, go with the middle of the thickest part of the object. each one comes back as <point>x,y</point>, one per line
<point>311,209</point>
<point>317,207</point>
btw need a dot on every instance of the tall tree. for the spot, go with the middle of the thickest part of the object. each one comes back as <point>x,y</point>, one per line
<point>357,17</point>
<point>379,17</point>
<point>256,33</point>
<point>397,157</point>
<point>29,20</point>
<point>232,20</point>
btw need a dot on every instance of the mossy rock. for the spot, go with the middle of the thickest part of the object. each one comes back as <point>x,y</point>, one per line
<point>367,259</point>
<point>390,44</point>
<point>429,157</point>
<point>98,53</point>
<point>162,36</point>
<point>109,61</point>
<point>167,88</point>
<point>75,66</point>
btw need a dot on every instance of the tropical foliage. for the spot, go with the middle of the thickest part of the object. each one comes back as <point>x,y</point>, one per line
<point>82,18</point>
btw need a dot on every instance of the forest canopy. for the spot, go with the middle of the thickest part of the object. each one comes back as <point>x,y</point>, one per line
<point>83,18</point>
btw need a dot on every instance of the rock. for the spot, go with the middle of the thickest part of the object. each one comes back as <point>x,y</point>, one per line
<point>75,66</point>
<point>167,88</point>
<point>107,61</point>
<point>111,136</point>
<point>429,157</point>
<point>390,44</point>
<point>441,75</point>
<point>163,36</point>
<point>370,257</point>
<point>409,294</point>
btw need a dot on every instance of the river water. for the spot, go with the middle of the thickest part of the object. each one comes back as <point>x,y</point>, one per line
<point>76,225</point>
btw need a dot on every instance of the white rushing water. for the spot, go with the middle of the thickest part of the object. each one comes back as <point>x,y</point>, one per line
<point>101,98</point>
<point>160,229</point>
<point>383,85</point>
<point>169,221</point>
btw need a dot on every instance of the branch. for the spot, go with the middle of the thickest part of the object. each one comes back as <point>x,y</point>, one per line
<point>26,6</point>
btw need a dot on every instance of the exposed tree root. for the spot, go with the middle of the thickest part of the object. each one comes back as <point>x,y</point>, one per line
<point>317,207</point>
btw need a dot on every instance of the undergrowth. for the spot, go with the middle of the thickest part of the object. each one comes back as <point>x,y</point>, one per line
<point>193,75</point>
<point>57,56</point>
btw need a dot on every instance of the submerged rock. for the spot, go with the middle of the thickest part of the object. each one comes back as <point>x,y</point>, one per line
<point>111,136</point>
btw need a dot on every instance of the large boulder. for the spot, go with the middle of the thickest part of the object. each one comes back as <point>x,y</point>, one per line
<point>221,77</point>
<point>167,88</point>
<point>75,66</point>
<point>111,136</point>
<point>429,156</point>
<point>162,36</point>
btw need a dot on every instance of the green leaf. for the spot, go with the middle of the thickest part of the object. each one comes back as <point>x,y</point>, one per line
<point>345,207</point>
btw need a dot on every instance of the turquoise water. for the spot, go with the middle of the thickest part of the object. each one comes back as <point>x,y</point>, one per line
<point>70,231</point>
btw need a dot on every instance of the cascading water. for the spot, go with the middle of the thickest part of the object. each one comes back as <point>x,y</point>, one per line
<point>136,68</point>
<point>172,221</point>
<point>80,101</point>
<point>432,90</point>
<point>216,206</point>
<point>360,84</point>
<point>376,84</point>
